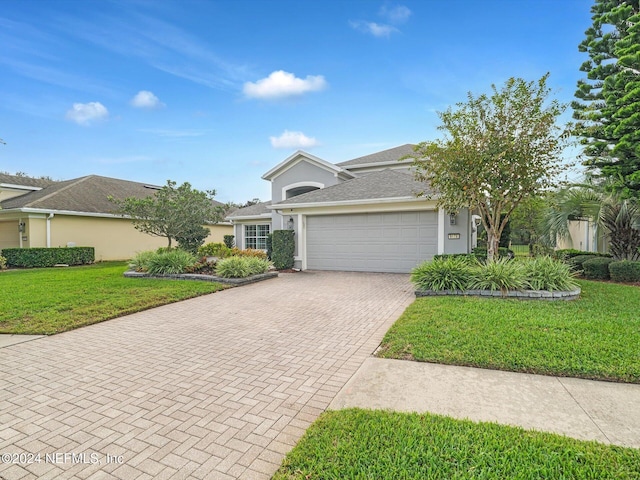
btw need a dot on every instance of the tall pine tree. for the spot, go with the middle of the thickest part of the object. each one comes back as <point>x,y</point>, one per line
<point>607,105</point>
<point>627,116</point>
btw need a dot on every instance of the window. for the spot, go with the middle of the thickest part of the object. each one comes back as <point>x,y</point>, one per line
<point>255,236</point>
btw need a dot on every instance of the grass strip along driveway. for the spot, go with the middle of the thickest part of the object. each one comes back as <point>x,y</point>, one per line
<point>367,444</point>
<point>53,300</point>
<point>595,337</point>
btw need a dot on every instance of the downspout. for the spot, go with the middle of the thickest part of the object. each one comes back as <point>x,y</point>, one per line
<point>51,215</point>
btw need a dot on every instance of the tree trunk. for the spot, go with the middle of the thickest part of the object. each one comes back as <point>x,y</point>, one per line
<point>493,244</point>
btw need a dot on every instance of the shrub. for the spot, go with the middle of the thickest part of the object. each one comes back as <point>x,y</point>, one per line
<point>568,254</point>
<point>140,263</point>
<point>249,252</point>
<point>3,263</point>
<point>597,268</point>
<point>625,271</point>
<point>538,250</point>
<point>470,257</point>
<point>577,261</point>
<point>192,237</point>
<point>257,265</point>
<point>232,267</point>
<point>451,273</point>
<point>283,244</point>
<point>171,262</point>
<point>500,275</point>
<point>219,250</point>
<point>229,241</point>
<point>546,273</point>
<point>48,257</point>
<point>241,267</point>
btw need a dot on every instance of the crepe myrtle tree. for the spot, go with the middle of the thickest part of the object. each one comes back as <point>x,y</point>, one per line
<point>498,150</point>
<point>176,213</point>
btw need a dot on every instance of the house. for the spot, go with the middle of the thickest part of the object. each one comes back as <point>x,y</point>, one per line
<point>358,215</point>
<point>584,235</point>
<point>77,212</point>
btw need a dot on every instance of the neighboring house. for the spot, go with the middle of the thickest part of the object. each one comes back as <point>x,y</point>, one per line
<point>358,215</point>
<point>42,213</point>
<point>583,235</point>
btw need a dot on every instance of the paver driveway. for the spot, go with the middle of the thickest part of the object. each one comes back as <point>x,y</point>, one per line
<point>220,386</point>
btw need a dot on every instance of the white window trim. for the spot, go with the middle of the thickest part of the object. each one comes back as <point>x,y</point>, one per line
<point>244,234</point>
<point>299,184</point>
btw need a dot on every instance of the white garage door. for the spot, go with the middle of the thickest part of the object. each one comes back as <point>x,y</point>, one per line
<point>371,242</point>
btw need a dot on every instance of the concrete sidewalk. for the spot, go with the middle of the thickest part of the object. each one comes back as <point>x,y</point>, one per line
<point>8,339</point>
<point>583,409</point>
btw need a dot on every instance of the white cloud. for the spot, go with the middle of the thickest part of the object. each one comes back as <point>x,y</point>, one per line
<point>293,140</point>
<point>146,99</point>
<point>85,113</point>
<point>395,15</point>
<point>375,29</point>
<point>283,84</point>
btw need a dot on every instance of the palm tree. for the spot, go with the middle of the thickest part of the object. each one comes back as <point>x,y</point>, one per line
<point>617,218</point>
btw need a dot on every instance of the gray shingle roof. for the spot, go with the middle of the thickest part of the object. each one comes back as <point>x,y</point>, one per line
<point>377,185</point>
<point>252,210</point>
<point>390,155</point>
<point>25,181</point>
<point>85,194</point>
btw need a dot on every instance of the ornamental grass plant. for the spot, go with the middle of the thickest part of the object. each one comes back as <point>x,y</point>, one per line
<point>502,274</point>
<point>448,273</point>
<point>170,262</point>
<point>546,273</point>
<point>241,267</point>
<point>464,273</point>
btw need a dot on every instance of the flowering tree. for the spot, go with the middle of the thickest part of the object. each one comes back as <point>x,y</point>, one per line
<point>499,150</point>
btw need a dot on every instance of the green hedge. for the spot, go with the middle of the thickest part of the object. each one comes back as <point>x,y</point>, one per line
<point>597,268</point>
<point>625,271</point>
<point>283,245</point>
<point>48,257</point>
<point>577,261</point>
<point>465,256</point>
<point>566,254</point>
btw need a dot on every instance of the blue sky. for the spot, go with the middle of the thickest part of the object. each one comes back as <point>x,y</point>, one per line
<point>217,92</point>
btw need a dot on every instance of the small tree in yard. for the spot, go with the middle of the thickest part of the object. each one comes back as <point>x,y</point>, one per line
<point>174,213</point>
<point>500,150</point>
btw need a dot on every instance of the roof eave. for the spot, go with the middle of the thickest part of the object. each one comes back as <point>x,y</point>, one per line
<point>378,164</point>
<point>364,201</point>
<point>250,217</point>
<point>317,160</point>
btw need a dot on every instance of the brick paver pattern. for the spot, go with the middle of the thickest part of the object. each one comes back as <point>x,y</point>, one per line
<point>216,387</point>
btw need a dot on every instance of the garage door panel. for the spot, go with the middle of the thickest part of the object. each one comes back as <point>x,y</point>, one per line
<point>376,242</point>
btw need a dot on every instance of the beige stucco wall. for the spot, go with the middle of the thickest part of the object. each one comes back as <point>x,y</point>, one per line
<point>6,193</point>
<point>9,235</point>
<point>582,236</point>
<point>112,238</point>
<point>36,232</point>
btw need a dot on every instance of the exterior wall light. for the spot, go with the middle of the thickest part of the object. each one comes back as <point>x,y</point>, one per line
<point>22,227</point>
<point>452,219</point>
<point>290,223</point>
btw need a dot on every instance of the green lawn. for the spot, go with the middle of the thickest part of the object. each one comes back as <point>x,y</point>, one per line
<point>53,300</point>
<point>365,444</point>
<point>594,337</point>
